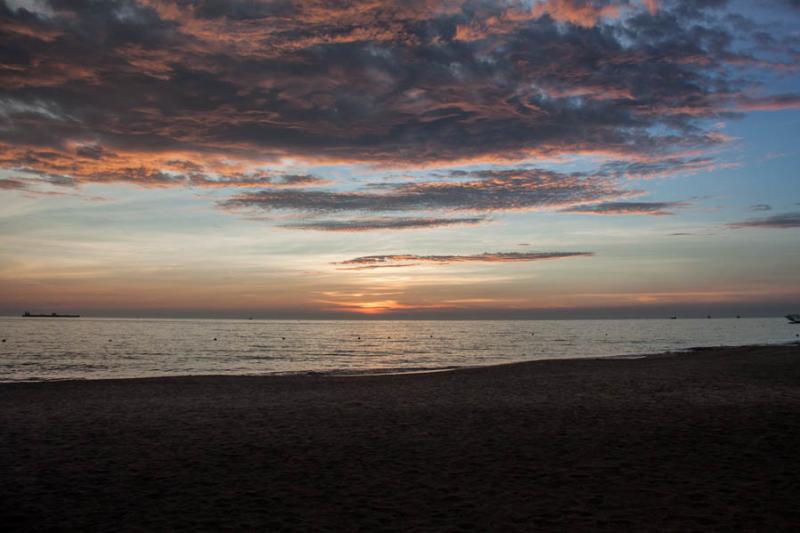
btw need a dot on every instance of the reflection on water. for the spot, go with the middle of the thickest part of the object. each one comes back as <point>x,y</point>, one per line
<point>85,348</point>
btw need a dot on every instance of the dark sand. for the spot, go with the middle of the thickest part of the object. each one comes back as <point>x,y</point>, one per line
<point>704,441</point>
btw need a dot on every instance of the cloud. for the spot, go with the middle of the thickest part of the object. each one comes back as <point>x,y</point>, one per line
<point>383,223</point>
<point>373,267</point>
<point>761,207</point>
<point>584,13</point>
<point>26,186</point>
<point>627,208</point>
<point>489,190</point>
<point>776,102</point>
<point>92,163</point>
<point>782,221</point>
<point>660,167</point>
<point>111,91</point>
<point>258,180</point>
<point>408,260</point>
<point>478,191</point>
<point>8,184</point>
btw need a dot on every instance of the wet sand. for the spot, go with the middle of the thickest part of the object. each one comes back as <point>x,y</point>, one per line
<point>700,441</point>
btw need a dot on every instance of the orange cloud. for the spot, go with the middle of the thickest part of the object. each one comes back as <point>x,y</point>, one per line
<point>584,13</point>
<point>579,12</point>
<point>78,163</point>
<point>652,6</point>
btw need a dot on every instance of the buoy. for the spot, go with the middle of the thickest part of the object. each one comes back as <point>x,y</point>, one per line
<point>283,338</point>
<point>4,340</point>
<point>215,338</point>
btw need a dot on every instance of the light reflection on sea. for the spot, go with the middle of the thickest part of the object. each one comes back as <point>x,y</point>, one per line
<point>89,348</point>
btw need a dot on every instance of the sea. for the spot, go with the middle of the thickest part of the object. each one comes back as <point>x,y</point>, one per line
<point>43,349</point>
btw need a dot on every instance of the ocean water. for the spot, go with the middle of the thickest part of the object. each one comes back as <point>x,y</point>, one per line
<point>38,349</point>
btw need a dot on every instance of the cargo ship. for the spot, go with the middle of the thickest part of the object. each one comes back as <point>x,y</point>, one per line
<point>51,315</point>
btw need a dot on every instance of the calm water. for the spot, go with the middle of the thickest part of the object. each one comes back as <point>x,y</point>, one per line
<point>86,348</point>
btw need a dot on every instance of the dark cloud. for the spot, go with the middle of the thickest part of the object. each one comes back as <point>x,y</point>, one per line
<point>383,223</point>
<point>298,180</point>
<point>8,184</point>
<point>258,180</point>
<point>92,151</point>
<point>491,190</point>
<point>407,260</point>
<point>27,186</point>
<point>627,208</point>
<point>658,167</point>
<point>761,207</point>
<point>769,103</point>
<point>782,221</point>
<point>399,82</point>
<point>373,267</point>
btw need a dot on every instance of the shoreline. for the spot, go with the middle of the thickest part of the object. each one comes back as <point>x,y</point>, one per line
<point>706,440</point>
<point>343,373</point>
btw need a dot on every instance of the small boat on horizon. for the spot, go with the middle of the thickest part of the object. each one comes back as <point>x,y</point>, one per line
<point>794,319</point>
<point>27,314</point>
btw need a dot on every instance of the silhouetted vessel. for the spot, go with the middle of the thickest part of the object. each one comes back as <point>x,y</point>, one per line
<point>794,319</point>
<point>51,315</point>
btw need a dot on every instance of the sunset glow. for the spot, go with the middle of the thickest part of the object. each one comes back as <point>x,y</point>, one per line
<point>403,159</point>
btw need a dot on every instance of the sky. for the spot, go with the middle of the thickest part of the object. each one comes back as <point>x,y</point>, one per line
<point>400,158</point>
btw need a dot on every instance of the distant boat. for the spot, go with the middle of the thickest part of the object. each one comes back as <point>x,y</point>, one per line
<point>794,319</point>
<point>51,315</point>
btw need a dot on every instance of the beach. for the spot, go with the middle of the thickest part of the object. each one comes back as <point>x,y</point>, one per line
<point>691,441</point>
